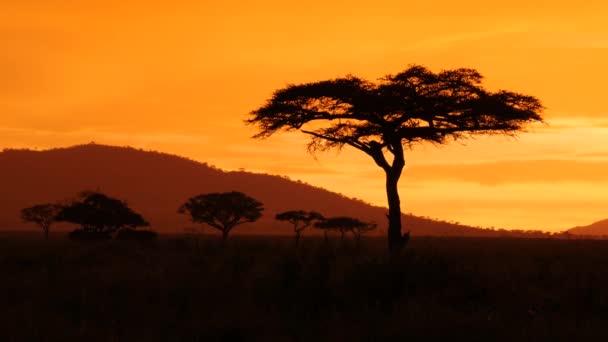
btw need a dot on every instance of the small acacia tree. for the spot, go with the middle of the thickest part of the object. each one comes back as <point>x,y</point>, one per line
<point>342,224</point>
<point>300,220</point>
<point>362,228</point>
<point>325,228</point>
<point>222,211</point>
<point>383,118</point>
<point>97,213</point>
<point>43,215</point>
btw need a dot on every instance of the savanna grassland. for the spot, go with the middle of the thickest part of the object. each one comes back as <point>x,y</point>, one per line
<point>262,288</point>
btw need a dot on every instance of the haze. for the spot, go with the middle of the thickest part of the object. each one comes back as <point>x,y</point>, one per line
<point>181,78</point>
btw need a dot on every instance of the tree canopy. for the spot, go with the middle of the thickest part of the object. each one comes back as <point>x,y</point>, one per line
<point>413,106</point>
<point>300,220</point>
<point>43,215</point>
<point>399,110</point>
<point>222,211</point>
<point>344,224</point>
<point>96,212</point>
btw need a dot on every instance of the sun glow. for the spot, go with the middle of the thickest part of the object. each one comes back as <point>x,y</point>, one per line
<point>181,78</point>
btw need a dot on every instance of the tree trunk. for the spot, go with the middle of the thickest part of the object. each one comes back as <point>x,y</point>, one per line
<point>224,235</point>
<point>298,233</point>
<point>46,232</point>
<point>325,235</point>
<point>396,241</point>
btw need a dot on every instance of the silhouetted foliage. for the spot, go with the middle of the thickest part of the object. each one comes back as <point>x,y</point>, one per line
<point>300,220</point>
<point>43,215</point>
<point>380,118</point>
<point>132,234</point>
<point>124,164</point>
<point>96,212</point>
<point>344,224</point>
<point>222,211</point>
<point>360,229</point>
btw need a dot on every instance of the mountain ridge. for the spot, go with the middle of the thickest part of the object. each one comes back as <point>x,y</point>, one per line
<point>598,228</point>
<point>156,183</point>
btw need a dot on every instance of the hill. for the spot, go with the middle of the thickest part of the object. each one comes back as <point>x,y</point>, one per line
<point>156,184</point>
<point>599,228</point>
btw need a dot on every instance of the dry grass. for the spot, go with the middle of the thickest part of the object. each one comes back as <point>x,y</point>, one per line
<point>265,289</point>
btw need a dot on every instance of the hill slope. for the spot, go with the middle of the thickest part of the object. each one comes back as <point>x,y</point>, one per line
<point>599,228</point>
<point>156,184</point>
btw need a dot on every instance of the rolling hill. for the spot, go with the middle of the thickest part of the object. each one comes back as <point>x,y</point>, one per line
<point>156,184</point>
<point>599,228</point>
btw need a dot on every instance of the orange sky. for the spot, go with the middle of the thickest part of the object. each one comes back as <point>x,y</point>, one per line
<point>181,76</point>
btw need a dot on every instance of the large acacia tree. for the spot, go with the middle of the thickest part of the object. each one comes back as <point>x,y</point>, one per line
<point>385,117</point>
<point>97,213</point>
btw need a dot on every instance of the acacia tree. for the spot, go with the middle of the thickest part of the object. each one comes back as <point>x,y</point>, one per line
<point>324,227</point>
<point>398,111</point>
<point>43,215</point>
<point>364,227</point>
<point>343,224</point>
<point>222,211</point>
<point>300,220</point>
<point>96,213</point>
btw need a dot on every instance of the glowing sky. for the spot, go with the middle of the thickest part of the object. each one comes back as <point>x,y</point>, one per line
<point>180,77</point>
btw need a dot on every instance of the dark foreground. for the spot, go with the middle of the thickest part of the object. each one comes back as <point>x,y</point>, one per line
<point>262,289</point>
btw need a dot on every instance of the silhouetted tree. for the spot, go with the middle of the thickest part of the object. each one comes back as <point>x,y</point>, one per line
<point>364,227</point>
<point>97,213</point>
<point>222,211</point>
<point>43,215</point>
<point>324,228</point>
<point>300,220</point>
<point>381,118</point>
<point>342,224</point>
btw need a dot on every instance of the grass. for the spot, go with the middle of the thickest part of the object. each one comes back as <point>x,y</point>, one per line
<point>257,288</point>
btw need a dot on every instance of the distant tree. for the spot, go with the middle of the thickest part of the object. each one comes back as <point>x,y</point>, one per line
<point>97,213</point>
<point>343,224</point>
<point>362,228</point>
<point>222,211</point>
<point>300,220</point>
<point>43,215</point>
<point>325,228</point>
<point>383,118</point>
